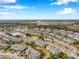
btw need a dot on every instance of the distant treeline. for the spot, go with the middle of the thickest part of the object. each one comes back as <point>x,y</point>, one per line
<point>50,26</point>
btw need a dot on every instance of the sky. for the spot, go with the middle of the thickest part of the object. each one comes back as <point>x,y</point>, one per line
<point>39,9</point>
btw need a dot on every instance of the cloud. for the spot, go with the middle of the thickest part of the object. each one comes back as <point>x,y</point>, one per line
<point>5,13</point>
<point>60,2</point>
<point>7,1</point>
<point>67,11</point>
<point>14,7</point>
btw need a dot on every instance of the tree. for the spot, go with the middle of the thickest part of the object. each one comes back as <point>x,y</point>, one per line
<point>28,34</point>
